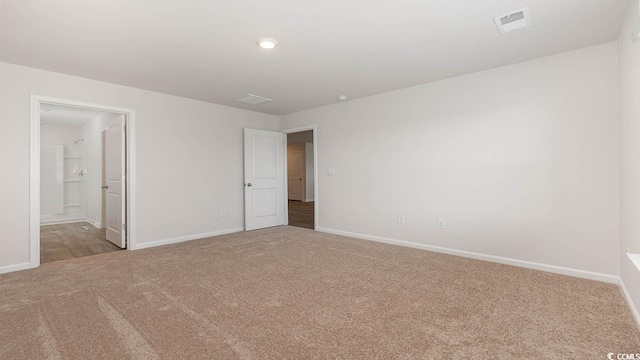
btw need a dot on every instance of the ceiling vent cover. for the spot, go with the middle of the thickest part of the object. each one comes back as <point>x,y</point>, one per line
<point>513,21</point>
<point>251,99</point>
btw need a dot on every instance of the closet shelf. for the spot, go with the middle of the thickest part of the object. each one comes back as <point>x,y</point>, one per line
<point>74,181</point>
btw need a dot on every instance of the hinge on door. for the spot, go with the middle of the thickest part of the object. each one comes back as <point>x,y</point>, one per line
<point>124,177</point>
<point>124,227</point>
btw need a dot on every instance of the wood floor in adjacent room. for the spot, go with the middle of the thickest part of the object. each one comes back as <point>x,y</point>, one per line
<point>74,240</point>
<point>293,293</point>
<point>301,214</point>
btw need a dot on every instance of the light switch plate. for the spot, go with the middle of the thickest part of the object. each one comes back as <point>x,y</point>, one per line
<point>331,172</point>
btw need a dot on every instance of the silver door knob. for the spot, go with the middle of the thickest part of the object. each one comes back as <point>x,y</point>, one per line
<point>249,184</point>
<point>105,186</point>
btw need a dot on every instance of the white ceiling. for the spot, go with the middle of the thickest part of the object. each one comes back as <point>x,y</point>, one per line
<point>207,49</point>
<point>66,116</point>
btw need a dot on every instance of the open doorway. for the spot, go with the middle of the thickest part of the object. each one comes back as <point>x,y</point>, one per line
<point>266,178</point>
<point>79,181</point>
<point>74,156</point>
<point>301,179</point>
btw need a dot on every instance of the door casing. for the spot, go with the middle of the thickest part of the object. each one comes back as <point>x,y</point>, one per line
<point>34,165</point>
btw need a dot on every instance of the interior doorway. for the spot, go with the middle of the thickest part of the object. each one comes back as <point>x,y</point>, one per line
<point>80,183</point>
<point>81,154</point>
<point>301,179</point>
<point>267,178</point>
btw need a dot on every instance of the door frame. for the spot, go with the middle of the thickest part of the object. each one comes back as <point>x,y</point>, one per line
<point>34,169</point>
<point>316,198</point>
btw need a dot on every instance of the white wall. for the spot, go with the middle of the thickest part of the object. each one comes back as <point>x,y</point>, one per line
<point>51,179</point>
<point>59,135</point>
<point>54,191</point>
<point>189,157</point>
<point>521,161</point>
<point>629,67</point>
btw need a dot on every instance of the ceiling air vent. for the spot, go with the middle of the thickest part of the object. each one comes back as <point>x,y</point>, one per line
<point>251,99</point>
<point>513,21</point>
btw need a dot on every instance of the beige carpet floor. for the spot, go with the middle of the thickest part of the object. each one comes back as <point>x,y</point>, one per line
<point>292,293</point>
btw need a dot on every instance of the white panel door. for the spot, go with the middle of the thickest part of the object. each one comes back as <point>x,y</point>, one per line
<point>263,179</point>
<point>115,195</point>
<point>295,174</point>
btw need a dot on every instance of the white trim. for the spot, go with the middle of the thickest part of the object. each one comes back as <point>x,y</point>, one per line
<point>632,306</point>
<point>93,223</point>
<point>180,239</point>
<point>285,164</point>
<point>315,199</point>
<point>60,222</point>
<point>472,255</point>
<point>34,169</point>
<point>16,267</point>
<point>635,259</point>
<point>34,183</point>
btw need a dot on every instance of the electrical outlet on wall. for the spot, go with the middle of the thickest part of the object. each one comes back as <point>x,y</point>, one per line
<point>441,224</point>
<point>223,212</point>
<point>401,219</point>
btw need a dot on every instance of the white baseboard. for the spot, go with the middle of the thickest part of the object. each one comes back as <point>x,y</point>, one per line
<point>632,306</point>
<point>613,279</point>
<point>94,223</point>
<point>60,222</point>
<point>16,267</point>
<point>186,238</point>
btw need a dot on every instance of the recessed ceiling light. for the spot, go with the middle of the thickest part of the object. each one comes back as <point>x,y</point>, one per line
<point>267,43</point>
<point>342,97</point>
